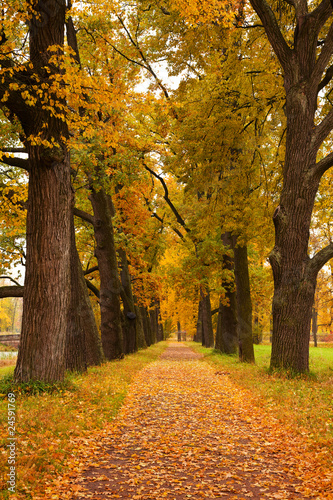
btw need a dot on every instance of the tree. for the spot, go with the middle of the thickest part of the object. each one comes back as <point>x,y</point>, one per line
<point>305,61</point>
<point>44,134</point>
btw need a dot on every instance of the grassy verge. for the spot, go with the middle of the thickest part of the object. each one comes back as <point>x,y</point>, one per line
<point>7,369</point>
<point>50,425</point>
<point>303,403</point>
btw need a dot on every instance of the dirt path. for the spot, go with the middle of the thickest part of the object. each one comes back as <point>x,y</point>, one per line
<point>187,432</point>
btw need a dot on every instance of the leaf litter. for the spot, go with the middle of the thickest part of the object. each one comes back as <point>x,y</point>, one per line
<point>186,431</point>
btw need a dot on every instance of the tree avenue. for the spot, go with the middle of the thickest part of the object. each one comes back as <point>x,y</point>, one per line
<point>150,210</point>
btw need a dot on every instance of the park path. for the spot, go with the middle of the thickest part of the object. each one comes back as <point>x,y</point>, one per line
<point>186,431</point>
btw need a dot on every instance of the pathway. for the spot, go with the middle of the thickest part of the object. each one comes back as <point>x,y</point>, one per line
<point>187,432</point>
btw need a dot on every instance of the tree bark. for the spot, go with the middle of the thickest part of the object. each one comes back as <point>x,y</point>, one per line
<point>130,322</point>
<point>198,335</point>
<point>146,325</point>
<point>11,291</point>
<point>207,325</point>
<point>75,350</point>
<point>153,323</point>
<point>83,344</point>
<point>111,329</point>
<point>244,304</point>
<point>315,325</point>
<point>295,273</point>
<point>227,333</point>
<point>140,334</point>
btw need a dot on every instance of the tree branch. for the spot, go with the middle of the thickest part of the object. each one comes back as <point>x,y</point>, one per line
<point>91,270</point>
<point>83,215</point>
<point>324,58</point>
<point>323,165</point>
<point>320,259</point>
<point>93,288</point>
<point>11,279</point>
<point>322,130</point>
<point>274,35</point>
<point>11,291</point>
<point>180,220</point>
<point>13,150</point>
<point>327,78</point>
<point>16,162</point>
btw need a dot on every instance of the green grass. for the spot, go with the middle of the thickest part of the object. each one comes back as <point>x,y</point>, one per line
<point>54,425</point>
<point>303,403</point>
<point>6,370</point>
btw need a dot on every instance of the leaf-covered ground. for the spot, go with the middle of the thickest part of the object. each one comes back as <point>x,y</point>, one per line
<point>187,431</point>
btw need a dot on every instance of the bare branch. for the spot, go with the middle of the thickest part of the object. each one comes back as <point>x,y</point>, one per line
<point>322,131</point>
<point>13,150</point>
<point>91,270</point>
<point>324,58</point>
<point>10,279</point>
<point>327,78</point>
<point>179,218</point>
<point>93,288</point>
<point>156,216</point>
<point>323,165</point>
<point>83,215</point>
<point>320,259</point>
<point>11,291</point>
<point>16,162</point>
<point>274,35</point>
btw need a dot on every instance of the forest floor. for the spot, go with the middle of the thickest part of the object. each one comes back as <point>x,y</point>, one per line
<point>187,431</point>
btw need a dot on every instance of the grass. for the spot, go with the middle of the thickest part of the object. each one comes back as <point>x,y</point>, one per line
<point>51,425</point>
<point>7,370</point>
<point>302,403</point>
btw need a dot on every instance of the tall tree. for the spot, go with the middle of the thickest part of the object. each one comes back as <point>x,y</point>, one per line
<point>44,133</point>
<point>307,70</point>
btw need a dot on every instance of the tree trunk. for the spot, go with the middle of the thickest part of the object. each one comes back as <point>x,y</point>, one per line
<point>207,325</point>
<point>146,325</point>
<point>315,325</point>
<point>244,304</point>
<point>198,335</point>
<point>153,323</point>
<point>226,332</point>
<point>140,334</point>
<point>83,344</point>
<point>130,319</point>
<point>257,330</point>
<point>111,329</point>
<point>47,279</point>
<point>75,350</point>
<point>159,334</point>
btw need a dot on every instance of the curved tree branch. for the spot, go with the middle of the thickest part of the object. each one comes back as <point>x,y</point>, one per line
<point>323,165</point>
<point>179,218</point>
<point>11,279</point>
<point>268,19</point>
<point>320,259</point>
